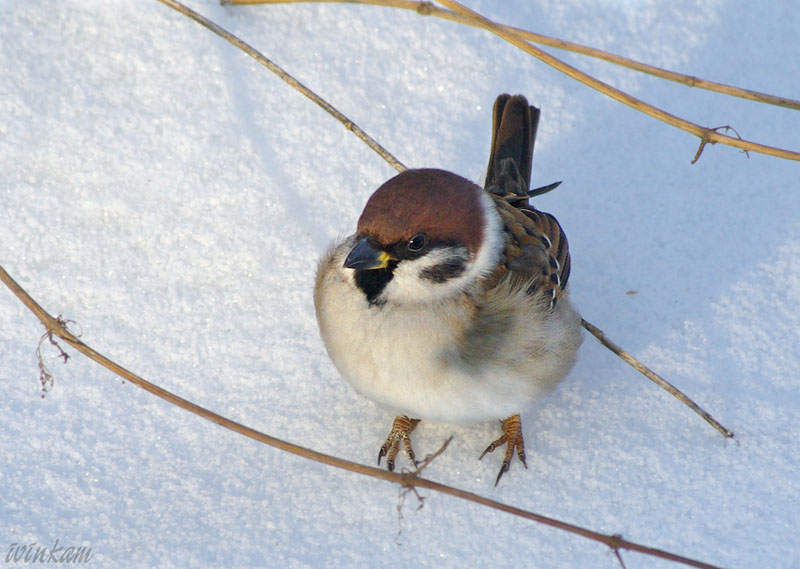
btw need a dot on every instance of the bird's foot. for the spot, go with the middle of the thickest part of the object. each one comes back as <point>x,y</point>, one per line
<point>512,438</point>
<point>401,427</point>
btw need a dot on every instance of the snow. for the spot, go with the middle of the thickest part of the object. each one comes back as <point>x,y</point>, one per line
<point>172,197</point>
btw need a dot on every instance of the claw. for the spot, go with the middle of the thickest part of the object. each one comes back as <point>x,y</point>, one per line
<point>401,427</point>
<point>512,438</point>
<point>503,470</point>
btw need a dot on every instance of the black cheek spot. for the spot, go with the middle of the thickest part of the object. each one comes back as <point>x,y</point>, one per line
<point>443,272</point>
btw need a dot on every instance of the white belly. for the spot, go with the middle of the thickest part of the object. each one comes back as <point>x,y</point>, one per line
<point>404,359</point>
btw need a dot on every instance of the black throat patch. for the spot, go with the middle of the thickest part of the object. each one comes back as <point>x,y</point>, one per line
<point>372,282</point>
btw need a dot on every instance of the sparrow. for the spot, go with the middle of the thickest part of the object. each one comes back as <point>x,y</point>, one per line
<point>450,301</point>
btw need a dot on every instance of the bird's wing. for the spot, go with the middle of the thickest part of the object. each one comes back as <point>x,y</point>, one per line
<point>536,252</point>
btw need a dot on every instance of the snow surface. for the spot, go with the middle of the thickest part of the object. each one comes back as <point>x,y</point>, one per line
<point>172,196</point>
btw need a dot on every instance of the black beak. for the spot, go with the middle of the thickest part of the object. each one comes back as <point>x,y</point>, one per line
<point>365,256</point>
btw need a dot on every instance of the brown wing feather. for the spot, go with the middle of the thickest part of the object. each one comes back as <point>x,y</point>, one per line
<point>536,252</point>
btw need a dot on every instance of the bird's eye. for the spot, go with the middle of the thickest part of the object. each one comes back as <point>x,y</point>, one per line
<point>417,243</point>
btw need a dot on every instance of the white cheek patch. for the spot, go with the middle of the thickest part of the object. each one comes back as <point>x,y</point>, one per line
<point>446,271</point>
<point>423,279</point>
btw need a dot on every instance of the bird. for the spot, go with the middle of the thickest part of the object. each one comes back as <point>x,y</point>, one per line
<point>450,302</point>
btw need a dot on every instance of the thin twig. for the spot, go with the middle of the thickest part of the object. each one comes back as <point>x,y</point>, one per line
<point>521,38</point>
<point>409,479</point>
<point>280,72</point>
<point>428,9</point>
<point>705,140</point>
<point>425,462</point>
<point>404,490</point>
<point>45,377</point>
<point>705,134</point>
<point>619,555</point>
<point>655,378</point>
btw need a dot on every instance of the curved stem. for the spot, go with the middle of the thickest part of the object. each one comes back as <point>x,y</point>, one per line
<point>411,479</point>
<point>706,135</point>
<point>428,9</point>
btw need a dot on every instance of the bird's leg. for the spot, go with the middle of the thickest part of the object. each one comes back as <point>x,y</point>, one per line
<point>512,438</point>
<point>401,427</point>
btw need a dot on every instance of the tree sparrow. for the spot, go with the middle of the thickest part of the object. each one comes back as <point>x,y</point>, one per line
<point>450,302</point>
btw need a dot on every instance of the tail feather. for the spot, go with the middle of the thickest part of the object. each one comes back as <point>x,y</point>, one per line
<point>513,135</point>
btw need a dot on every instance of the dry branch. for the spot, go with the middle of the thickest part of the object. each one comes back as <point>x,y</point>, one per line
<point>706,135</point>
<point>56,326</point>
<point>519,38</point>
<point>428,9</point>
<point>280,72</point>
<point>654,377</point>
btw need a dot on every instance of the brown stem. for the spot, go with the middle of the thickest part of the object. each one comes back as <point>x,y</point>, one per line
<point>280,72</point>
<point>654,377</point>
<point>56,326</point>
<point>703,133</point>
<point>428,9</point>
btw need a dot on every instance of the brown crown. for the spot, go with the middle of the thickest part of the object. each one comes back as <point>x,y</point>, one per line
<point>440,204</point>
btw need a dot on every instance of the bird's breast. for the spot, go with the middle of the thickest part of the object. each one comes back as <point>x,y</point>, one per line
<point>448,362</point>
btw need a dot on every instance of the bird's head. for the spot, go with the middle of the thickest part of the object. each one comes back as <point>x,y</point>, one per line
<point>424,235</point>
